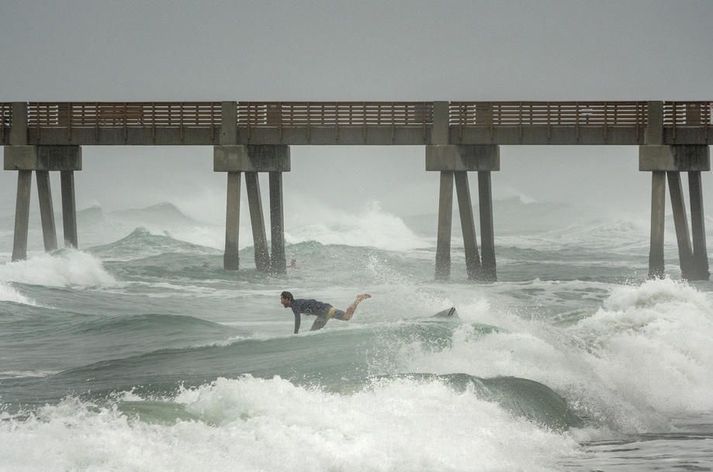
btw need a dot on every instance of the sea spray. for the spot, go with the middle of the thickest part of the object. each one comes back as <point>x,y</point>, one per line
<point>10,294</point>
<point>372,227</point>
<point>652,344</point>
<point>639,359</point>
<point>62,268</point>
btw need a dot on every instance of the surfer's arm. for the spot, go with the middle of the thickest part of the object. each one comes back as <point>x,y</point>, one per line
<point>297,322</point>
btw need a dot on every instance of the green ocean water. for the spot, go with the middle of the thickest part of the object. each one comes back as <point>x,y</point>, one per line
<point>142,353</point>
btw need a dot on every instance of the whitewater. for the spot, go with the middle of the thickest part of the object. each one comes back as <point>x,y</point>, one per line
<point>139,352</point>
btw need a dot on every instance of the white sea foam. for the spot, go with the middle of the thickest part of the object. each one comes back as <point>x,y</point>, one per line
<point>254,424</point>
<point>10,294</point>
<point>643,357</point>
<point>371,227</point>
<point>652,344</point>
<point>64,268</point>
<point>11,374</point>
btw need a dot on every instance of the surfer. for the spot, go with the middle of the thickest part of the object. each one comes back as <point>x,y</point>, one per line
<point>323,311</point>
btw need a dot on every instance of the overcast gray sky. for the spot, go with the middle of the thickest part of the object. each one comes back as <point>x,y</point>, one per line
<point>349,50</point>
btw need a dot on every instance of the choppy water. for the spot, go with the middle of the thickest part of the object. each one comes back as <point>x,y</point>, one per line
<point>141,353</point>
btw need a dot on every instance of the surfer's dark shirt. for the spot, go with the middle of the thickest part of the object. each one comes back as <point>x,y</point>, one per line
<point>308,307</point>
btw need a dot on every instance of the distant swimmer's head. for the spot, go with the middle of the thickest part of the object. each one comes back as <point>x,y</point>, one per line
<point>286,299</point>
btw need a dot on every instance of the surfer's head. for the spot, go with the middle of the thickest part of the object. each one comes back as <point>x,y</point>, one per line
<point>286,299</point>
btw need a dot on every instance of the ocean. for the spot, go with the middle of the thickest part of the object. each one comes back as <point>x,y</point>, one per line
<point>139,352</point>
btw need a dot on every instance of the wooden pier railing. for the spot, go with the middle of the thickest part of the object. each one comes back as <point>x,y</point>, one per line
<point>521,122</point>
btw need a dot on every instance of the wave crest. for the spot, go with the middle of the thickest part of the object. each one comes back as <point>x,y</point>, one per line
<point>62,268</point>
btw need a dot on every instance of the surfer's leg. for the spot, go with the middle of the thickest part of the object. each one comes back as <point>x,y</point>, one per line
<point>324,317</point>
<point>352,308</point>
<point>319,323</point>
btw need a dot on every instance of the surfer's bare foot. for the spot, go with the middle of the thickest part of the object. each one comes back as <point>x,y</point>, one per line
<point>362,296</point>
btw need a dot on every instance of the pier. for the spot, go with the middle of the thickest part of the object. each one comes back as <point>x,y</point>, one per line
<point>459,137</point>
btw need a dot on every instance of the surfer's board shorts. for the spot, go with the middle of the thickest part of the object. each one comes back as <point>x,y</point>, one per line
<point>335,313</point>
<point>326,316</point>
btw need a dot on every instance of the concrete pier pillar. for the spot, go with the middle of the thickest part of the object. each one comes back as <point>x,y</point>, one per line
<point>231,257</point>
<point>658,206</point>
<point>457,160</point>
<point>251,159</point>
<point>487,233</point>
<point>680,219</point>
<point>42,160</point>
<point>257,220</point>
<point>278,262</point>
<point>69,209</point>
<point>470,241</point>
<point>44,191</point>
<point>22,215</point>
<point>445,214</point>
<point>698,229</point>
<point>672,160</point>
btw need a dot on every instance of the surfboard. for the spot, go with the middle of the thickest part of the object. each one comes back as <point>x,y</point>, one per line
<point>447,313</point>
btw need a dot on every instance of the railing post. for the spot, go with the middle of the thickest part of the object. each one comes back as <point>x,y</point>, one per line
<point>440,130</point>
<point>654,127</point>
<point>18,132</point>
<point>229,123</point>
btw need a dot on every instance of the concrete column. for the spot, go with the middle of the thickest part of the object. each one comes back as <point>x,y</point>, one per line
<point>278,262</point>
<point>658,206</point>
<point>662,159</point>
<point>22,214</point>
<point>698,229</point>
<point>470,241</point>
<point>252,159</point>
<point>680,218</point>
<point>44,191</point>
<point>487,233</point>
<point>262,257</point>
<point>69,209</point>
<point>44,159</point>
<point>457,159</point>
<point>231,258</point>
<point>445,214</point>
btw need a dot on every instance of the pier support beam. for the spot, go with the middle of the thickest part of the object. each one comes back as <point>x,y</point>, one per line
<point>470,241</point>
<point>671,161</point>
<point>262,256</point>
<point>44,191</point>
<point>231,258</point>
<point>680,220</point>
<point>487,232</point>
<point>658,207</point>
<point>69,209</point>
<point>454,162</point>
<point>251,159</point>
<point>700,255</point>
<point>278,262</point>
<point>43,160</point>
<point>22,215</point>
<point>445,216</point>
